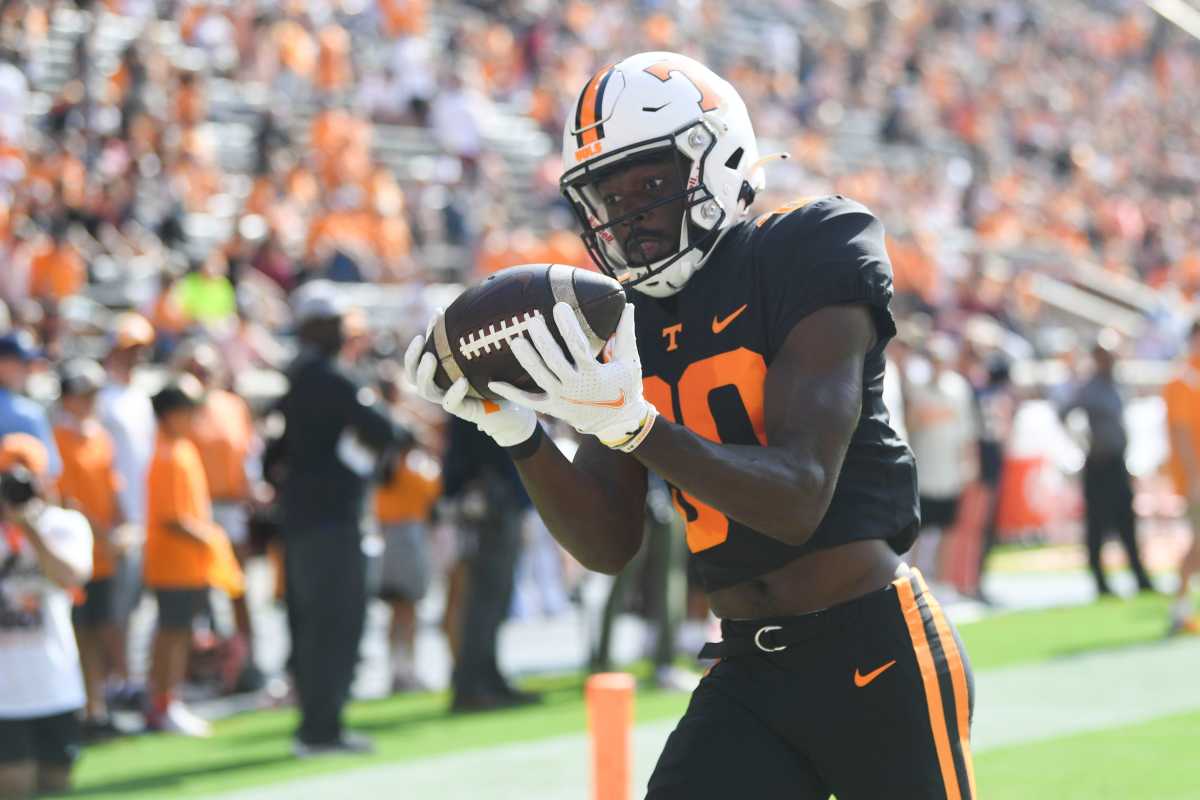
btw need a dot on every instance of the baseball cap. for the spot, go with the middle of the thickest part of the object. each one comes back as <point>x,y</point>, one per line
<point>21,449</point>
<point>19,345</point>
<point>181,392</point>
<point>318,299</point>
<point>78,376</point>
<point>131,329</point>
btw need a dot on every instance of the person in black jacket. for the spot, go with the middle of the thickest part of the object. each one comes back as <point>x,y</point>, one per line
<point>335,432</point>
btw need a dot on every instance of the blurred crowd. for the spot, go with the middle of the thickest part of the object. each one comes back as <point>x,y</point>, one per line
<point>202,159</point>
<point>173,174</point>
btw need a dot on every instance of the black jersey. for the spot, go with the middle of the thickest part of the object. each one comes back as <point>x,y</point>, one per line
<point>705,354</point>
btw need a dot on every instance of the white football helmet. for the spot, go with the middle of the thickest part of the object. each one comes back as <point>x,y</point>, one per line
<point>660,104</point>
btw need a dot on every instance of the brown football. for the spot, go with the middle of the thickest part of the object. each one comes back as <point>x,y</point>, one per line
<point>472,337</point>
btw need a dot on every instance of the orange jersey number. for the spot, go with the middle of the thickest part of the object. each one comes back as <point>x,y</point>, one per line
<point>740,369</point>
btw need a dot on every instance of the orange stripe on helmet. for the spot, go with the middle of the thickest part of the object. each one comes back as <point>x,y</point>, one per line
<point>589,109</point>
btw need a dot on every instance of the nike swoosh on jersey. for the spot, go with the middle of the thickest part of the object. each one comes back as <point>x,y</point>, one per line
<point>615,403</point>
<point>721,324</point>
<point>861,680</point>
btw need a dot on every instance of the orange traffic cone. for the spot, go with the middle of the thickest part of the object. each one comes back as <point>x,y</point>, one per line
<point>610,719</point>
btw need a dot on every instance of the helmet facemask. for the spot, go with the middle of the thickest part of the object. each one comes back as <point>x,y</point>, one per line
<point>672,225</point>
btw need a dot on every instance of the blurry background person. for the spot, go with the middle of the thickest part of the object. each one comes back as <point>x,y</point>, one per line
<point>186,553</point>
<point>334,432</point>
<point>229,448</point>
<point>658,578</point>
<point>1107,487</point>
<point>45,554</point>
<point>996,404</point>
<point>90,484</point>
<point>18,413</point>
<point>125,411</point>
<point>1182,395</point>
<point>412,483</point>
<point>939,411</point>
<point>489,502</point>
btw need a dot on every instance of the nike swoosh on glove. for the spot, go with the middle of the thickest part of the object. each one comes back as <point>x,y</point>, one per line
<point>604,400</point>
<point>507,423</point>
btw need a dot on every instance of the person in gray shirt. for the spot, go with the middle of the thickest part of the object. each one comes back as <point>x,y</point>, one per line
<point>1107,487</point>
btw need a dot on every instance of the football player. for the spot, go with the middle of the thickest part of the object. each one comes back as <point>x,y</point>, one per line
<point>747,371</point>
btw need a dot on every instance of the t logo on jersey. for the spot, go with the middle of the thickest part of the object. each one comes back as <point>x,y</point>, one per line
<point>662,70</point>
<point>669,333</point>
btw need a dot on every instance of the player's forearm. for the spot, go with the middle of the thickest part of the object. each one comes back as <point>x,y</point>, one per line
<point>597,529</point>
<point>765,488</point>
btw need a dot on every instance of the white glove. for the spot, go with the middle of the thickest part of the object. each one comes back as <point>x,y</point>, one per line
<point>604,400</point>
<point>508,424</point>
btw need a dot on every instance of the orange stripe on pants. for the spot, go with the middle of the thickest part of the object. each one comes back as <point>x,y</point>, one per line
<point>958,678</point>
<point>933,694</point>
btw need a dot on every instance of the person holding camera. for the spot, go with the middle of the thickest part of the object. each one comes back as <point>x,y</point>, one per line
<point>45,556</point>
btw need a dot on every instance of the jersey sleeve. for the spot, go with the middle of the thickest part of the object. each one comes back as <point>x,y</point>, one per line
<point>827,252</point>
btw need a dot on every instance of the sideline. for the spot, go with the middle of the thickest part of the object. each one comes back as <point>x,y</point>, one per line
<point>1019,704</point>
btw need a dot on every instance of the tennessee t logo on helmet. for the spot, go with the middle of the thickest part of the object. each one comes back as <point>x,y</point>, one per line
<point>662,70</point>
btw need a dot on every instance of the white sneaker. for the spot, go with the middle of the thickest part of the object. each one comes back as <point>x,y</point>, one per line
<point>180,719</point>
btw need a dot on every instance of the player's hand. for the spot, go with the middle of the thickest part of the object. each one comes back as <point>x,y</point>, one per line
<point>604,400</point>
<point>508,424</point>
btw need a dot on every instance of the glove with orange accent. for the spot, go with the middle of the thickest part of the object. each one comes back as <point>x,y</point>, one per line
<point>507,423</point>
<point>604,400</point>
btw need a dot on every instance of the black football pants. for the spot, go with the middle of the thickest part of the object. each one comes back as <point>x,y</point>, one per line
<point>327,603</point>
<point>866,700</point>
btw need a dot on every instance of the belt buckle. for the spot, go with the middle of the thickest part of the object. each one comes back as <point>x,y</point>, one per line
<point>758,639</point>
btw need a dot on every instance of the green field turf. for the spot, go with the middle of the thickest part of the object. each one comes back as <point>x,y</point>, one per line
<point>254,749</point>
<point>1032,636</point>
<point>1155,760</point>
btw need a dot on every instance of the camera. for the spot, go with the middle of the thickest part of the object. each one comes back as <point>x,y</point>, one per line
<point>17,487</point>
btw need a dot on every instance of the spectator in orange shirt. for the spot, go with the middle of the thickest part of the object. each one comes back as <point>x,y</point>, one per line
<point>1182,397</point>
<point>403,505</point>
<point>56,271</point>
<point>90,484</point>
<point>223,433</point>
<point>186,552</point>
<point>334,70</point>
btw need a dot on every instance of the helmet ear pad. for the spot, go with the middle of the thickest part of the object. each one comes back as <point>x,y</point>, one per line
<point>746,195</point>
